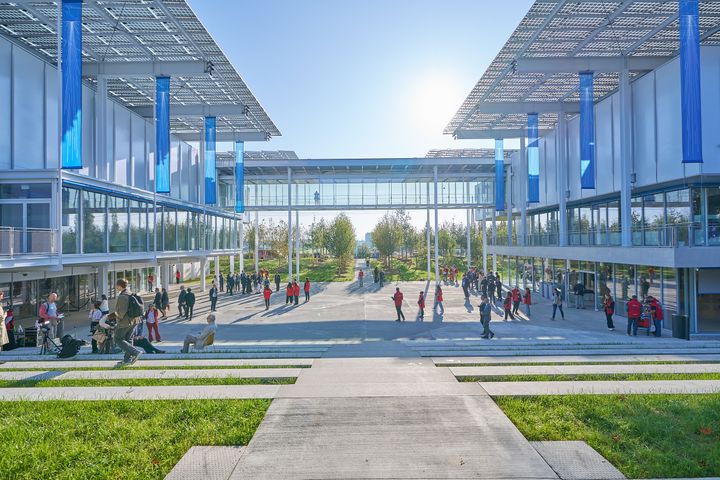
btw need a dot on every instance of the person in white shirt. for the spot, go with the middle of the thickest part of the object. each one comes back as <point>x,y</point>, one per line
<point>151,319</point>
<point>104,307</point>
<point>95,315</point>
<point>199,341</point>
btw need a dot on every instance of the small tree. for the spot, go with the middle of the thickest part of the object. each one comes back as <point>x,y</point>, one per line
<point>341,239</point>
<point>386,236</point>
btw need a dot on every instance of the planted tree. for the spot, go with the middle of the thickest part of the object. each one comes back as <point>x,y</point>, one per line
<point>341,240</point>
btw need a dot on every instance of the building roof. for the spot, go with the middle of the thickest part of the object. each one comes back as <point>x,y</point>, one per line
<point>574,28</point>
<point>144,31</point>
<point>467,153</point>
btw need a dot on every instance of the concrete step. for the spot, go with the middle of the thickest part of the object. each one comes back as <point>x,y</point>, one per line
<point>584,369</point>
<point>208,463</point>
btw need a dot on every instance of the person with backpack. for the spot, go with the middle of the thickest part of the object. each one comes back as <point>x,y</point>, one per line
<point>485,314</point>
<point>49,314</point>
<point>190,304</point>
<point>398,299</point>
<point>128,311</point>
<point>421,306</point>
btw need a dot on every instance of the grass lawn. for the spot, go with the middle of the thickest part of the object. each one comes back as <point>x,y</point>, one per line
<point>592,377</point>
<point>131,439</point>
<point>316,271</point>
<point>403,271</point>
<point>145,382</point>
<point>644,436</point>
<point>525,364</point>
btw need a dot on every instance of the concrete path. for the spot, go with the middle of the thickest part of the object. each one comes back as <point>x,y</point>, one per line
<point>561,358</point>
<point>144,362</point>
<point>152,374</point>
<point>583,369</point>
<point>526,389</point>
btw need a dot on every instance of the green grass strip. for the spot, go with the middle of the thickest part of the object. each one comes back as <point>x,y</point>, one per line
<point>587,377</point>
<point>50,368</point>
<point>122,440</point>
<point>644,436</point>
<point>144,382</point>
<point>529,364</point>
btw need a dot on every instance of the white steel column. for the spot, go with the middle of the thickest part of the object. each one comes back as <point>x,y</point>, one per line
<point>437,260</point>
<point>103,287</point>
<point>427,224</point>
<point>232,264</point>
<point>290,244</point>
<point>484,241</point>
<point>494,238</point>
<point>217,269</point>
<point>203,274</point>
<point>242,244</point>
<point>522,231</point>
<point>562,179</point>
<point>509,204</point>
<point>101,158</point>
<point>256,253</point>
<point>625,159</point>
<point>297,244</point>
<point>469,243</point>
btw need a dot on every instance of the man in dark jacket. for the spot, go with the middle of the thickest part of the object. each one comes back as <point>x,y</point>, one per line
<point>181,301</point>
<point>213,297</point>
<point>277,282</point>
<point>579,291</point>
<point>190,304</point>
<point>157,301</point>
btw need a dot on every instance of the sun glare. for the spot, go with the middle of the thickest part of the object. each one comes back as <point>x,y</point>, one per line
<point>433,99</point>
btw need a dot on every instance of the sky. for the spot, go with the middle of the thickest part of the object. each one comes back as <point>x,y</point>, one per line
<point>363,78</point>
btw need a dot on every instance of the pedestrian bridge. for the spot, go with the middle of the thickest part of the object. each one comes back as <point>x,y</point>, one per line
<point>448,179</point>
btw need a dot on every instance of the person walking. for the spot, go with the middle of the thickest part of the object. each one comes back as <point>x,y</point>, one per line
<point>181,301</point>
<point>230,284</point>
<point>296,291</point>
<point>49,314</point>
<point>190,304</point>
<point>507,306</point>
<point>165,302</point>
<point>527,300</point>
<point>557,304</point>
<point>398,299</point>
<point>421,306</point>
<point>213,298</point>
<point>491,288</point>
<point>485,314</point>
<point>306,289</point>
<point>439,300</point>
<point>151,282</point>
<point>465,283</point>
<point>515,300</point>
<point>609,309</point>
<point>177,277</point>
<point>579,291</point>
<point>267,292</point>
<point>221,281</point>
<point>634,311</point>
<point>376,275</point>
<point>382,278</point>
<point>128,312</point>
<point>277,282</point>
<point>361,275</point>
<point>157,300</point>
<point>152,321</point>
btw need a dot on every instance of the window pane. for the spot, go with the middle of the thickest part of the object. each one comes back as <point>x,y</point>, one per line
<point>94,223</point>
<point>70,216</point>
<point>169,229</point>
<point>138,226</point>
<point>678,214</point>
<point>118,216</point>
<point>713,213</point>
<point>183,230</point>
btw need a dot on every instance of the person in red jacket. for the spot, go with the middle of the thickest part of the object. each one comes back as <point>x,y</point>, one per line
<point>657,315</point>
<point>507,305</point>
<point>267,292</point>
<point>398,299</point>
<point>527,300</point>
<point>634,310</point>
<point>609,309</point>
<point>361,275</point>
<point>421,306</point>
<point>306,289</point>
<point>296,291</point>
<point>515,300</point>
<point>289,293</point>
<point>439,300</point>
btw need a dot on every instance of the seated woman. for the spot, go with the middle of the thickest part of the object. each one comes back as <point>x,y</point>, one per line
<point>140,341</point>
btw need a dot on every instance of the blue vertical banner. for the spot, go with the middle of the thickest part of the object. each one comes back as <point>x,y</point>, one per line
<point>533,160</point>
<point>499,175</point>
<point>71,74</point>
<point>239,177</point>
<point>690,82</point>
<point>210,168</point>
<point>587,131</point>
<point>162,134</point>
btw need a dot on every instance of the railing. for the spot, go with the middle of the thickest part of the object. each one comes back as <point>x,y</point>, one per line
<point>669,236</point>
<point>17,242</point>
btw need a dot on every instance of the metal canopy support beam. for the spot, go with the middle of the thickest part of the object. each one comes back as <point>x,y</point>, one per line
<point>197,110</point>
<point>223,136</point>
<point>469,243</point>
<point>492,134</point>
<point>626,149</point>
<point>256,253</point>
<point>590,64</point>
<point>156,68</point>
<point>512,108</point>
<point>427,224</point>
<point>484,241</point>
<point>242,243</point>
<point>290,225</point>
<point>435,197</point>
<point>522,231</point>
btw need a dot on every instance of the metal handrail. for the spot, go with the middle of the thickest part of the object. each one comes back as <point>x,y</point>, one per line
<point>16,242</point>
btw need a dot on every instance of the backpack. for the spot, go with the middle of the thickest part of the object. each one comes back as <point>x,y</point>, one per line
<point>70,346</point>
<point>136,307</point>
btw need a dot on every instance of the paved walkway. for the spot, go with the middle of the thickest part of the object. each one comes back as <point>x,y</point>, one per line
<point>118,374</point>
<point>526,389</point>
<point>583,369</point>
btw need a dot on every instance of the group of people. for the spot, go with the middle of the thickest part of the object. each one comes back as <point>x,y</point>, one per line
<point>647,314</point>
<point>245,283</point>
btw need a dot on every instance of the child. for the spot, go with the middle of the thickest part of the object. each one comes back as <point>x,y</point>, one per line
<point>646,318</point>
<point>507,305</point>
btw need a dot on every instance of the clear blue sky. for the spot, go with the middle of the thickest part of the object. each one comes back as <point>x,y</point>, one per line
<point>363,78</point>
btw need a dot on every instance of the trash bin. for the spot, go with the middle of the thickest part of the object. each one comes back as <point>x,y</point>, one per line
<point>681,327</point>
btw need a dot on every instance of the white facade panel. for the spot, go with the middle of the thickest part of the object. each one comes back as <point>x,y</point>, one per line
<point>550,169</point>
<point>28,110</point>
<point>5,105</point>
<point>604,147</point>
<point>643,104</point>
<point>573,158</point>
<point>138,158</point>
<point>174,168</point>
<point>121,155</point>
<point>88,133</point>
<point>52,118</point>
<point>669,122</point>
<point>617,171</point>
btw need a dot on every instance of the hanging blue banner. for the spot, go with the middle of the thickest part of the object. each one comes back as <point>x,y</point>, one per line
<point>239,177</point>
<point>587,131</point>
<point>162,135</point>
<point>499,175</point>
<point>210,168</point>
<point>690,82</point>
<point>533,160</point>
<point>71,73</point>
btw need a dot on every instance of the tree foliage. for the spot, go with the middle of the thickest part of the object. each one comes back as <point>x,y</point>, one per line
<point>340,239</point>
